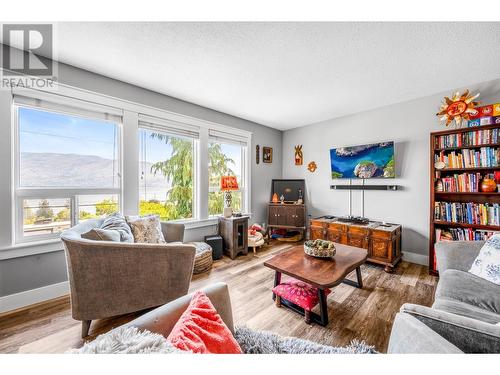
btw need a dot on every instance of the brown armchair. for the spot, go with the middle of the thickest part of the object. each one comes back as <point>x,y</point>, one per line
<point>114,278</point>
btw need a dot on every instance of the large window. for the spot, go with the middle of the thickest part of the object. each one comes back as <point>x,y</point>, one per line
<point>166,172</point>
<point>68,164</point>
<point>68,168</point>
<point>225,159</point>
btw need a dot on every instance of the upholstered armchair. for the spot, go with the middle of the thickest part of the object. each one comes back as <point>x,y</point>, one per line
<point>114,278</point>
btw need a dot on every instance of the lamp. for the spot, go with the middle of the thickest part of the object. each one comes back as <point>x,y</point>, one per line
<point>228,184</point>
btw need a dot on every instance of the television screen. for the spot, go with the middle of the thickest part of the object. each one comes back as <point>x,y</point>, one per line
<point>290,189</point>
<point>374,160</point>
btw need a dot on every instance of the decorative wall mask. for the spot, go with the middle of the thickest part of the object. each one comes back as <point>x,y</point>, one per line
<point>311,167</point>
<point>257,154</point>
<point>458,108</point>
<point>299,157</point>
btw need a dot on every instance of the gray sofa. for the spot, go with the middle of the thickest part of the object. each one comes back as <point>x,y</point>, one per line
<point>465,315</point>
<point>114,278</point>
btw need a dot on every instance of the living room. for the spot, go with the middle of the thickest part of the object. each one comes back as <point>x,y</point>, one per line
<point>250,187</point>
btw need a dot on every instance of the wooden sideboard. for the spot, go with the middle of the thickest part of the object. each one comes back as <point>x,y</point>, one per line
<point>286,216</point>
<point>383,241</point>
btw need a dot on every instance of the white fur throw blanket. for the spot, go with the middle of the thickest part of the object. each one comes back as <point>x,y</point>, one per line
<point>130,340</point>
<point>127,340</point>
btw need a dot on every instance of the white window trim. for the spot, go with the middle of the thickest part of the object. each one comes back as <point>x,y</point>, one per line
<point>129,197</point>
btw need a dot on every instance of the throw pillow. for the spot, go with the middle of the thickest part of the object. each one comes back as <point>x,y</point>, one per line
<point>98,234</point>
<point>487,263</point>
<point>117,222</point>
<point>200,329</point>
<point>146,229</point>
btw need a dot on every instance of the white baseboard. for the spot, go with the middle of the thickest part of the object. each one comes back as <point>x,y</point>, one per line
<point>29,297</point>
<point>416,258</point>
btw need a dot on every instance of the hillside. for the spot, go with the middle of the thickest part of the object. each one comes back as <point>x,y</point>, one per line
<point>68,170</point>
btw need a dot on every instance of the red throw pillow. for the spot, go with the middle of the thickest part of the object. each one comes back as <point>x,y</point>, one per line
<point>200,329</point>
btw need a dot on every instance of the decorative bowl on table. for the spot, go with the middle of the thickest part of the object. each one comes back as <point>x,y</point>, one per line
<point>319,248</point>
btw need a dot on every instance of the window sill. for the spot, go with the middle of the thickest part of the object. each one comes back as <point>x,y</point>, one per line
<point>48,246</point>
<point>200,223</point>
<point>31,248</point>
<point>194,223</point>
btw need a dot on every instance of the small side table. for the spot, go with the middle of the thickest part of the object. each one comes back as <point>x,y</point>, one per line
<point>234,231</point>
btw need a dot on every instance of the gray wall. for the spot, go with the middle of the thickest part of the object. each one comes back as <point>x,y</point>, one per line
<point>409,125</point>
<point>25,273</point>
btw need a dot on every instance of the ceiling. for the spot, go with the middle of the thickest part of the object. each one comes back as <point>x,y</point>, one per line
<point>286,75</point>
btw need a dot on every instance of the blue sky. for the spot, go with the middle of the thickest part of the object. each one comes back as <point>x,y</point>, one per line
<point>50,132</point>
<point>42,131</point>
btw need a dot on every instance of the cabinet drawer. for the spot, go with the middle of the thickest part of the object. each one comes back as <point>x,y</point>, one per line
<point>358,231</point>
<point>382,234</point>
<point>319,223</point>
<point>317,233</point>
<point>338,226</point>
<point>334,236</point>
<point>357,241</point>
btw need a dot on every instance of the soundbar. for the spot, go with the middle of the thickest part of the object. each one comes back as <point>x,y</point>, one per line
<point>365,187</point>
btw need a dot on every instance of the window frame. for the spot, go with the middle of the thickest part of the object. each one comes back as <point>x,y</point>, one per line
<point>21,193</point>
<point>171,132</point>
<point>128,193</point>
<point>243,185</point>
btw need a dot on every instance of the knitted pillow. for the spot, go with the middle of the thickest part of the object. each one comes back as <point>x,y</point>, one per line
<point>146,229</point>
<point>200,329</point>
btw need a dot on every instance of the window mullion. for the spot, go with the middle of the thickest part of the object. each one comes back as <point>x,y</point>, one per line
<point>202,188</point>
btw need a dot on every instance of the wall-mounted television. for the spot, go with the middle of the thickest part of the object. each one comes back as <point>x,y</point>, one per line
<point>374,160</point>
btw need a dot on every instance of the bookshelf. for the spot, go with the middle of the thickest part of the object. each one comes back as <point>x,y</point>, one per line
<point>462,209</point>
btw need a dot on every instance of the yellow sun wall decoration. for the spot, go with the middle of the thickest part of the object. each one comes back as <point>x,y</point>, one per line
<point>458,108</point>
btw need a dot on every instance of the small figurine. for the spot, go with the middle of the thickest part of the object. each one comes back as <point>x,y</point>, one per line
<point>275,198</point>
<point>301,197</point>
<point>282,199</point>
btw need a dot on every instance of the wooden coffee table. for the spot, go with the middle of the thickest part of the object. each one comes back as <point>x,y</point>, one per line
<point>322,273</point>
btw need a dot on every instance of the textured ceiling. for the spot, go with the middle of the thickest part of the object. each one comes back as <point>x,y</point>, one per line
<point>286,75</point>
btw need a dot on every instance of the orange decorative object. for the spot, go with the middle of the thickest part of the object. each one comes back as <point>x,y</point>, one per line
<point>311,167</point>
<point>458,108</point>
<point>275,198</point>
<point>228,183</point>
<point>299,158</point>
<point>488,185</point>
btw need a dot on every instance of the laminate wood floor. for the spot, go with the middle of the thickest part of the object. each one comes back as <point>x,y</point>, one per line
<point>363,314</point>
